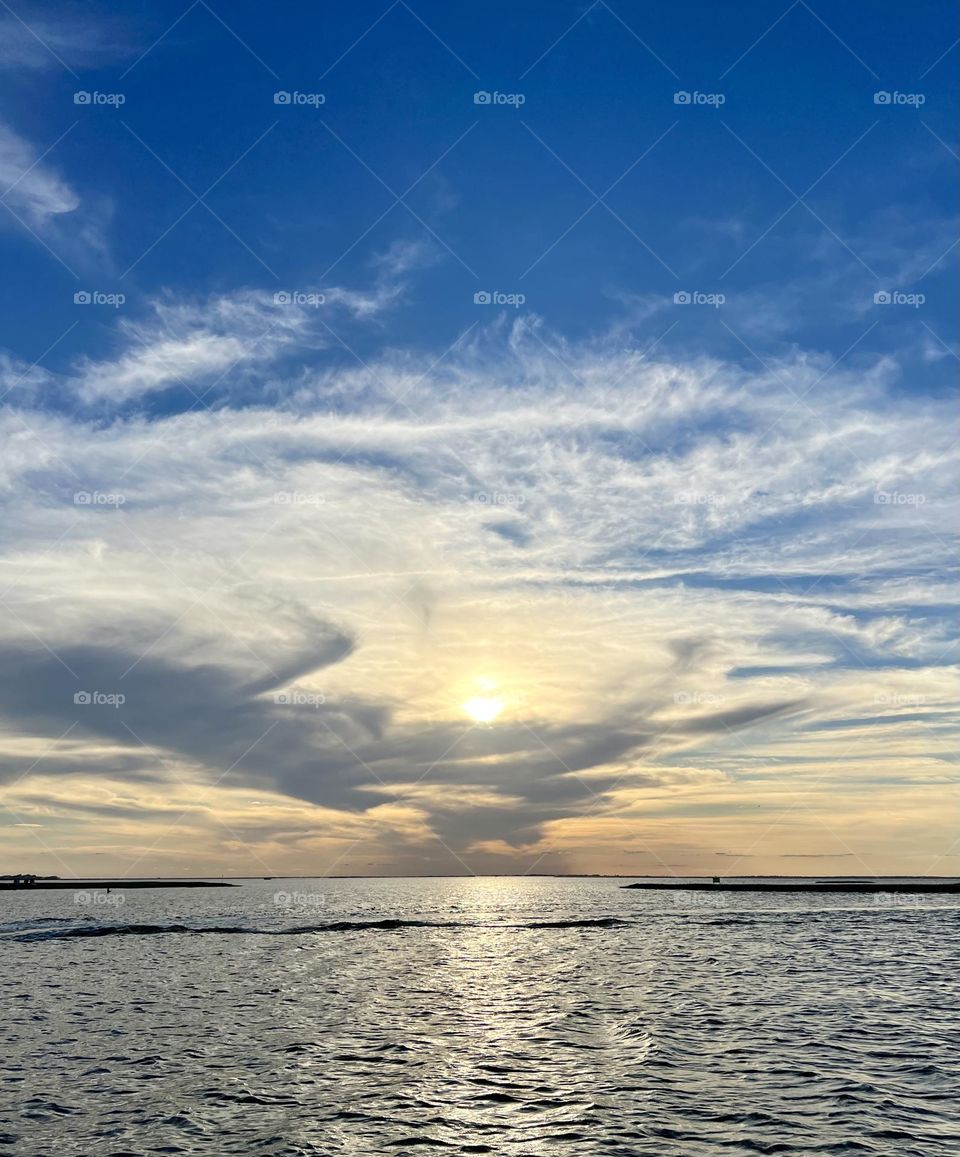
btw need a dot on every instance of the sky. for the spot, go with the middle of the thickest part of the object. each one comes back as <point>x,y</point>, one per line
<point>478,438</point>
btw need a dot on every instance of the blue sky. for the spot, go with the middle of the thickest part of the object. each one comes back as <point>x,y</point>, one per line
<point>798,87</point>
<point>702,432</point>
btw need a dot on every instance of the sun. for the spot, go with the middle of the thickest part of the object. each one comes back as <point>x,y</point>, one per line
<point>483,708</point>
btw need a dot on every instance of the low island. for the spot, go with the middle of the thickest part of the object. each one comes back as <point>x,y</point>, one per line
<point>38,883</point>
<point>717,884</point>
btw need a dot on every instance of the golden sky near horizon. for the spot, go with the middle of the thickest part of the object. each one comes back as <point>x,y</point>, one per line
<point>494,638</point>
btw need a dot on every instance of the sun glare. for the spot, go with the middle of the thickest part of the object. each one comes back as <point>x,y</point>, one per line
<point>483,708</point>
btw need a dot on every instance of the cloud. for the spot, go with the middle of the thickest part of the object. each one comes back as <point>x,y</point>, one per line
<point>45,204</point>
<point>699,608</point>
<point>47,44</point>
<point>816,855</point>
<point>195,344</point>
<point>191,345</point>
<point>31,186</point>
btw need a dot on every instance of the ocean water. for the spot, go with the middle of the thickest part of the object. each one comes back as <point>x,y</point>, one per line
<point>518,1016</point>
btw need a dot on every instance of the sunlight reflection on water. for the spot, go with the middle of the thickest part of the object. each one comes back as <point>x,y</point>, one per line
<point>482,1020</point>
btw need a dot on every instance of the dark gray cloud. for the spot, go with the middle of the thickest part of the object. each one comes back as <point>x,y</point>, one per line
<point>741,716</point>
<point>329,753</point>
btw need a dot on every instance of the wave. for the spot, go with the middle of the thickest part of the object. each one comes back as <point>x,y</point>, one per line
<point>29,922</point>
<point>388,925</point>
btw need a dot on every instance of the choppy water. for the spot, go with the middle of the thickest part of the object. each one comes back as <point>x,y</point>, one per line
<point>505,1016</point>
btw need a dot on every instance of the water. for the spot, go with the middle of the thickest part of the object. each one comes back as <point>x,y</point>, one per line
<point>504,1016</point>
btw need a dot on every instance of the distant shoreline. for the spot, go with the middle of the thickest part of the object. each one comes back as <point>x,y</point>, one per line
<point>877,886</point>
<point>779,883</point>
<point>118,885</point>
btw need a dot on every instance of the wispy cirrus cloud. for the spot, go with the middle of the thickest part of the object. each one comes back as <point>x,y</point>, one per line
<point>697,610</point>
<point>196,344</point>
<point>31,185</point>
<point>190,344</point>
<point>46,43</point>
<point>42,203</point>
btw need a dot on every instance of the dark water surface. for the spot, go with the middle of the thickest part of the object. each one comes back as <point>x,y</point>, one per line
<point>505,1016</point>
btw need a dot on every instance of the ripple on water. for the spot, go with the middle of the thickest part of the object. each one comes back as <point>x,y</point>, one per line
<point>545,1017</point>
